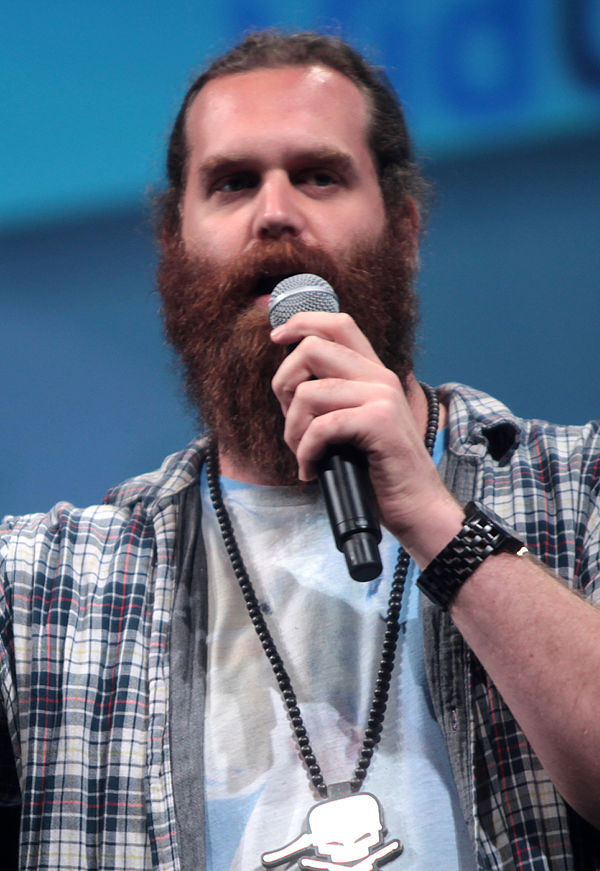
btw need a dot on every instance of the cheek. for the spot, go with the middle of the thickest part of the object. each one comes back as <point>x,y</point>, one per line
<point>202,232</point>
<point>359,232</point>
<point>364,222</point>
<point>197,233</point>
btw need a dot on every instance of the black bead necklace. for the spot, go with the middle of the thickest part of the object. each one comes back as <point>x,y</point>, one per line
<point>382,684</point>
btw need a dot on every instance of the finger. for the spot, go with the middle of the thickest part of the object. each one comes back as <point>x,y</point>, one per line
<point>378,426</point>
<point>335,327</point>
<point>340,426</point>
<point>315,398</point>
<point>399,466</point>
<point>374,417</point>
<point>320,358</point>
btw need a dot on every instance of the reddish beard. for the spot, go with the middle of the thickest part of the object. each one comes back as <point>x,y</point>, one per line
<point>222,336</point>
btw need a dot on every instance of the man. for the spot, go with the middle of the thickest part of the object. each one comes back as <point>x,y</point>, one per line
<point>145,720</point>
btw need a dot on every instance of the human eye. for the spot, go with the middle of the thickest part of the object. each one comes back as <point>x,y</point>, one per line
<point>318,178</point>
<point>234,183</point>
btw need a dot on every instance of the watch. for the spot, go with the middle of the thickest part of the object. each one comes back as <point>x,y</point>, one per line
<point>483,533</point>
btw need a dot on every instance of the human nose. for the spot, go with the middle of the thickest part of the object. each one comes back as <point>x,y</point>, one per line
<point>277,212</point>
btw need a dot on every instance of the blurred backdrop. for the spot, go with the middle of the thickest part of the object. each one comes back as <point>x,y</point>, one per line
<point>503,97</point>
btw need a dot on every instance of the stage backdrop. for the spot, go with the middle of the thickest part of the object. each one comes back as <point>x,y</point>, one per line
<point>503,97</point>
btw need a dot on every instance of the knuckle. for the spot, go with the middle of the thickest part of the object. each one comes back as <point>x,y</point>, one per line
<point>393,380</point>
<point>280,388</point>
<point>346,322</point>
<point>304,389</point>
<point>275,384</point>
<point>379,413</point>
<point>311,343</point>
<point>382,417</point>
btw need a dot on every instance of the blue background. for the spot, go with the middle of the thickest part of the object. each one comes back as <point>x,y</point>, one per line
<point>503,97</point>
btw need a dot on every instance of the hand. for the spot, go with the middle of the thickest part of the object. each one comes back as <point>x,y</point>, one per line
<point>333,389</point>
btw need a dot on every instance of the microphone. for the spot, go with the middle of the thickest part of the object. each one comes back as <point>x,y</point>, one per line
<point>343,470</point>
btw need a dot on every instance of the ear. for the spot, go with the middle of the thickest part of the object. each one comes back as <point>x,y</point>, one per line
<point>407,227</point>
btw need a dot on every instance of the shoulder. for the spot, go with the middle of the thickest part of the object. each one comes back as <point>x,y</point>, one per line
<point>543,478</point>
<point>69,533</point>
<point>476,419</point>
<point>153,489</point>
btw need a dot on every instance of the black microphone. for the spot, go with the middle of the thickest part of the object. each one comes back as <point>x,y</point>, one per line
<point>343,470</point>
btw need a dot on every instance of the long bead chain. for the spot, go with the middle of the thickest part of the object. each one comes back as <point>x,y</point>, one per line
<point>392,627</point>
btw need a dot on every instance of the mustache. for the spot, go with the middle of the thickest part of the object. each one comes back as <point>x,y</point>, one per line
<point>255,272</point>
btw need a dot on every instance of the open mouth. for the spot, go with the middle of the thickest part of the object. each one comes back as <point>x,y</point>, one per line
<point>265,284</point>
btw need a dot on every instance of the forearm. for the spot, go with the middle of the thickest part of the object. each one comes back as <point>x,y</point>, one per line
<point>540,643</point>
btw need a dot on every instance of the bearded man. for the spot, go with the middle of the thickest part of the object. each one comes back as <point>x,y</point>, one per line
<point>189,678</point>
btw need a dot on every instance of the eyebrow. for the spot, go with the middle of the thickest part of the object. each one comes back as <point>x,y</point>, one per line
<point>234,161</point>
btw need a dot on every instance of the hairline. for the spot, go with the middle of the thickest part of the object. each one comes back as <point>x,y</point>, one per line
<point>360,87</point>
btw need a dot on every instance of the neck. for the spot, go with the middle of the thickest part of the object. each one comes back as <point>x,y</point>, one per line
<point>240,469</point>
<point>417,402</point>
<point>237,468</point>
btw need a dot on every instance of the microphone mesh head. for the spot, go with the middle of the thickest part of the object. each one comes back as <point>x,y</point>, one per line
<point>301,293</point>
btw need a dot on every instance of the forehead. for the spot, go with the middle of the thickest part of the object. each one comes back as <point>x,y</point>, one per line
<point>314,104</point>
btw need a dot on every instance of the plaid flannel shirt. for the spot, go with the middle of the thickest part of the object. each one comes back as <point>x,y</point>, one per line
<point>85,605</point>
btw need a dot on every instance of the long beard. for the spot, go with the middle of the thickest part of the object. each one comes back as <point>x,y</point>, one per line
<point>222,337</point>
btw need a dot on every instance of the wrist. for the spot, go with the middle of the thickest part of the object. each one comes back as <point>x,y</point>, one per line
<point>439,522</point>
<point>483,533</point>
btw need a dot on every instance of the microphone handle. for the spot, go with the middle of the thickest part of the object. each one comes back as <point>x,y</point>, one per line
<point>346,487</point>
